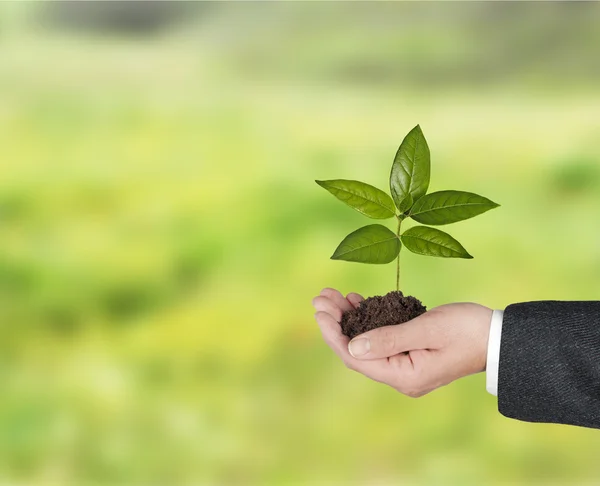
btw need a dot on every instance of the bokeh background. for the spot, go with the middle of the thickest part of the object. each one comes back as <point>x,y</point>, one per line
<point>161,234</point>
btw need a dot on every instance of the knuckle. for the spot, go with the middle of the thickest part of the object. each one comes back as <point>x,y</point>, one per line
<point>329,293</point>
<point>318,300</point>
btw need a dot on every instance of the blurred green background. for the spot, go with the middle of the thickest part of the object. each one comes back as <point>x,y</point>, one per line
<point>161,234</point>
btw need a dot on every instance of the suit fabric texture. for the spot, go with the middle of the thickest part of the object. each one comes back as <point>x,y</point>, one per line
<point>550,363</point>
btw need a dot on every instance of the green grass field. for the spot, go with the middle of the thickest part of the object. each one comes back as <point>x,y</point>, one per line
<point>161,238</point>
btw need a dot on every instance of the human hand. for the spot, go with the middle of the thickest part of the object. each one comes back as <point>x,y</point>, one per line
<point>416,357</point>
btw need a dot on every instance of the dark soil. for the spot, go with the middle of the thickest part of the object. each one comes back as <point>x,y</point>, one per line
<point>378,311</point>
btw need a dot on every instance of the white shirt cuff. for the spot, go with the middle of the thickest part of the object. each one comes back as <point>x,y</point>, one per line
<point>493,353</point>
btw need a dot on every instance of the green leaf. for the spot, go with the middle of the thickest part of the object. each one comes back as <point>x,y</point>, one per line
<point>410,170</point>
<point>432,242</point>
<point>446,207</point>
<point>406,204</point>
<point>370,244</point>
<point>368,200</point>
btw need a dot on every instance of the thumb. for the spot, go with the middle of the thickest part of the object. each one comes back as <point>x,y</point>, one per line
<point>388,341</point>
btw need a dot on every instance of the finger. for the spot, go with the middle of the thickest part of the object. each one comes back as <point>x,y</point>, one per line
<point>378,370</point>
<point>388,341</point>
<point>354,299</point>
<point>413,374</point>
<point>332,332</point>
<point>337,299</point>
<point>411,364</point>
<point>325,304</point>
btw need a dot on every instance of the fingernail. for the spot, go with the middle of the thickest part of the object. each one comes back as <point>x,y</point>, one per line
<point>359,347</point>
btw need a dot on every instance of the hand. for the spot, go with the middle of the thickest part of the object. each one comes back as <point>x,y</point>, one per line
<point>416,357</point>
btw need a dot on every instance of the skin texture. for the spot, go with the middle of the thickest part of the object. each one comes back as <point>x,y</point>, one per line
<point>443,345</point>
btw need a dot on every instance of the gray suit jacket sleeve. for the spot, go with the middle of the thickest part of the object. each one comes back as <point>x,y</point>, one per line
<point>550,363</point>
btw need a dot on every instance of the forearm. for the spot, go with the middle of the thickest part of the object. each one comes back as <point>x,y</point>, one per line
<point>550,363</point>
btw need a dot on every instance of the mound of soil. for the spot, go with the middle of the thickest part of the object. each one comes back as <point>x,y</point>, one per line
<point>393,308</point>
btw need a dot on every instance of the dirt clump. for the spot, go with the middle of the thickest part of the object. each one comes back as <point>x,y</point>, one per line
<point>378,311</point>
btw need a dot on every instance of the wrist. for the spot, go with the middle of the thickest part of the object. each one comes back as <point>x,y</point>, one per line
<point>483,324</point>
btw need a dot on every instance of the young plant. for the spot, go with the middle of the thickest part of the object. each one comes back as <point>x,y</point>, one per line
<point>409,181</point>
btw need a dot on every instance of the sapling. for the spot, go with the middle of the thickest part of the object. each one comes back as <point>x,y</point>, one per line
<point>377,244</point>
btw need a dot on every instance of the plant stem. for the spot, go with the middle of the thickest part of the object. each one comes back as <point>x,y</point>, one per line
<point>398,258</point>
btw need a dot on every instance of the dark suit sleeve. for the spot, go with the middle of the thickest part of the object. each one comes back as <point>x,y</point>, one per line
<point>550,363</point>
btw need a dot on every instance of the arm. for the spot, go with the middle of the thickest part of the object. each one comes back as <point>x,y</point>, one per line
<point>550,363</point>
<point>543,357</point>
<point>415,358</point>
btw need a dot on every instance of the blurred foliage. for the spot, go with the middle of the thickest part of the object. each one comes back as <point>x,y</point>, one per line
<point>577,175</point>
<point>161,235</point>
